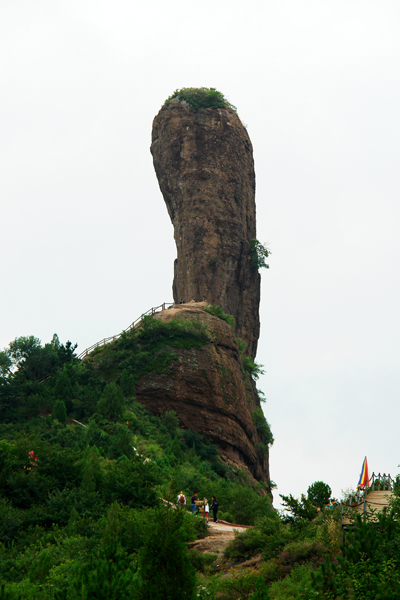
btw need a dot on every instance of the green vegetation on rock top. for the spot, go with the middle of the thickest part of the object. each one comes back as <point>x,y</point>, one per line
<point>216,311</point>
<point>201,98</point>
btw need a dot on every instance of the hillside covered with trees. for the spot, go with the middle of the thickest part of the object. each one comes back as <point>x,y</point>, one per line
<point>88,480</point>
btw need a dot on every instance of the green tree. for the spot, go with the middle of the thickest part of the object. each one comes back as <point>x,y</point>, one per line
<point>111,402</point>
<point>127,384</point>
<point>63,390</point>
<point>300,511</point>
<point>23,348</point>
<point>59,412</point>
<point>5,364</point>
<point>165,569</point>
<point>319,493</point>
<point>92,474</point>
<point>109,574</point>
<point>369,567</point>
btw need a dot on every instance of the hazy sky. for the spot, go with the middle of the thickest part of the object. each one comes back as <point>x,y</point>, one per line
<point>86,241</point>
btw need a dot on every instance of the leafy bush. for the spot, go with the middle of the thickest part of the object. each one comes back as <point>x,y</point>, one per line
<point>237,587</point>
<point>245,544</point>
<point>214,309</point>
<point>252,368</point>
<point>177,333</point>
<point>300,552</point>
<point>267,537</point>
<point>262,426</point>
<point>258,254</point>
<point>201,97</point>
<point>201,561</point>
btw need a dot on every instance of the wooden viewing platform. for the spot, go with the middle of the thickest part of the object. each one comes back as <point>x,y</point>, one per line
<point>369,502</point>
<point>377,500</point>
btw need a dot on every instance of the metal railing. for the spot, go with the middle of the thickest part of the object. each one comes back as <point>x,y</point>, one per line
<point>104,341</point>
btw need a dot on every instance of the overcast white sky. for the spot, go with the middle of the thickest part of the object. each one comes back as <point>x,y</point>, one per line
<point>86,242</point>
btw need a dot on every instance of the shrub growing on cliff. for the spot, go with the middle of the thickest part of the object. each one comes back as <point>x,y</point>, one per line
<point>258,254</point>
<point>201,98</point>
<point>216,311</point>
<point>262,426</point>
<point>252,368</point>
<point>177,333</point>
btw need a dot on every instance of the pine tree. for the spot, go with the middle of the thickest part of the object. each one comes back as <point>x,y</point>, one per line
<point>166,572</point>
<point>63,389</point>
<point>111,402</point>
<point>127,384</point>
<point>91,471</point>
<point>59,412</point>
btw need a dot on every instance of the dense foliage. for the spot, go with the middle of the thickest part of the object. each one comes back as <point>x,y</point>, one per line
<point>89,480</point>
<point>201,98</point>
<point>83,467</point>
<point>305,559</point>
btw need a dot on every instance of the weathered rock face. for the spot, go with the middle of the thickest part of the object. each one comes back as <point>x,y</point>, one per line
<point>204,164</point>
<point>207,390</point>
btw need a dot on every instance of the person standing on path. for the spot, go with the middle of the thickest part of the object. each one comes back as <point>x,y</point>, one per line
<point>214,508</point>
<point>194,507</point>
<point>181,501</point>
<point>206,510</point>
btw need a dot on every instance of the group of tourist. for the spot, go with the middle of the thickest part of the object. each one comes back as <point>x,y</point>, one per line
<point>200,504</point>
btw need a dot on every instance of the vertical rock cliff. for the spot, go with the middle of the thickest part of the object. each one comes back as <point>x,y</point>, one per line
<point>204,164</point>
<point>210,392</point>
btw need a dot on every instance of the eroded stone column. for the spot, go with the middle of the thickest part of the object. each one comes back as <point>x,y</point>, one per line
<point>204,164</point>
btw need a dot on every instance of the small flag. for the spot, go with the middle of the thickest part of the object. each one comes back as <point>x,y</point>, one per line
<point>363,481</point>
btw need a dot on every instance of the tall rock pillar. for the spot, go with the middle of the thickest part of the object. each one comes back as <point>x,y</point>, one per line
<point>204,164</point>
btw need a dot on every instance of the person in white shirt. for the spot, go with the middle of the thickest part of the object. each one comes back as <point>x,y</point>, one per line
<point>181,501</point>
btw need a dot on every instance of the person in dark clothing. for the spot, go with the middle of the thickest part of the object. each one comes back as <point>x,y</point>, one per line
<point>214,508</point>
<point>194,507</point>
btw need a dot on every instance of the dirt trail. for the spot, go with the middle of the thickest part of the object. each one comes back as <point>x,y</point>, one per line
<point>220,536</point>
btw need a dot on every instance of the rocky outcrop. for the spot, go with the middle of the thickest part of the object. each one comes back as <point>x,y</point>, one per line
<point>208,390</point>
<point>204,164</point>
